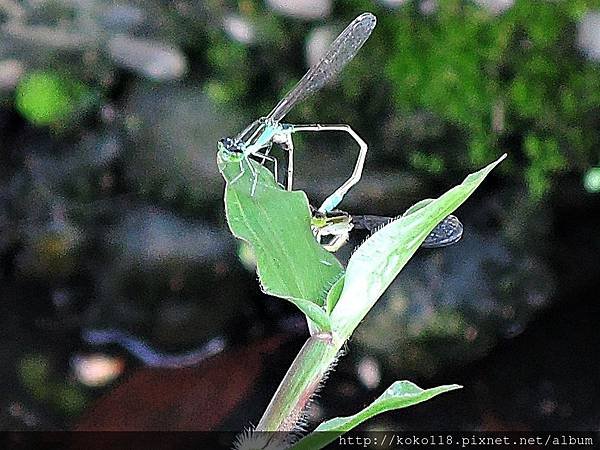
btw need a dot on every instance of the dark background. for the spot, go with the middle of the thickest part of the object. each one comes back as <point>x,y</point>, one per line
<point>111,213</point>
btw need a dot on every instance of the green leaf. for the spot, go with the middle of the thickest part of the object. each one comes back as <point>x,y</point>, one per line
<point>276,223</point>
<point>417,206</point>
<point>334,294</point>
<point>315,313</point>
<point>399,395</point>
<point>380,258</point>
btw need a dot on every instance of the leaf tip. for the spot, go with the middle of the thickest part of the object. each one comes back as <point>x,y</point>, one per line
<point>451,387</point>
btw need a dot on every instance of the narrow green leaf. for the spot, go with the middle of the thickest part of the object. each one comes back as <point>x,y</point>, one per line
<point>417,206</point>
<point>399,395</point>
<point>380,258</point>
<point>334,294</point>
<point>315,313</point>
<point>276,223</point>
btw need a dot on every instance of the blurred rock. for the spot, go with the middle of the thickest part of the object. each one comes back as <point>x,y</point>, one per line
<point>10,73</point>
<point>428,7</point>
<point>121,17</point>
<point>97,369</point>
<point>239,29</point>
<point>168,280</point>
<point>589,35</point>
<point>175,133</point>
<point>369,372</point>
<point>148,58</point>
<point>302,9</point>
<point>393,3</point>
<point>12,11</point>
<point>591,180</point>
<point>496,6</point>
<point>51,248</point>
<point>155,236</point>
<point>435,315</point>
<point>98,149</point>
<point>50,37</point>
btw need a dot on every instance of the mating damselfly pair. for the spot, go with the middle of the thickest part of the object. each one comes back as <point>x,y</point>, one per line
<point>257,140</point>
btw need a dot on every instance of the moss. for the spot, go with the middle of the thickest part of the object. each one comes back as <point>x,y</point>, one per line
<point>461,61</point>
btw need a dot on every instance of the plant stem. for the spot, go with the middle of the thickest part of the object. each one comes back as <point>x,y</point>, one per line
<point>300,383</point>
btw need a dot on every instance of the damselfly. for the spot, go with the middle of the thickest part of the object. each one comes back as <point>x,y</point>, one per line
<point>332,229</point>
<point>258,138</point>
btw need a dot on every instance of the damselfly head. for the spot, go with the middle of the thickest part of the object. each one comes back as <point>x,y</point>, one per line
<point>230,145</point>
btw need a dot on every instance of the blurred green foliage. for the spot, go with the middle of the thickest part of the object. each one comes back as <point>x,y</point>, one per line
<point>47,387</point>
<point>514,82</point>
<point>46,98</point>
<point>429,162</point>
<point>486,83</point>
<point>516,78</point>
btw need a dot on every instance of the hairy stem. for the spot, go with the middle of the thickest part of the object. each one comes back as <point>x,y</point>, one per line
<point>300,383</point>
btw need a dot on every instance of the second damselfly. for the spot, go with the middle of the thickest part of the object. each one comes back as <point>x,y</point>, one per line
<point>332,229</point>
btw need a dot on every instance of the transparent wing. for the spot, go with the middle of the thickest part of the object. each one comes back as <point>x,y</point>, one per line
<point>447,232</point>
<point>340,53</point>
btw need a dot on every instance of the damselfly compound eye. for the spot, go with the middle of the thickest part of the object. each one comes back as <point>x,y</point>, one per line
<point>229,144</point>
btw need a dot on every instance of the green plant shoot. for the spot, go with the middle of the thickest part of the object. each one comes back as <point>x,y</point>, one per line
<point>276,223</point>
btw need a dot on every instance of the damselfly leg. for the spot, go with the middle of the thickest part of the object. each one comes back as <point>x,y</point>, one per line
<point>284,139</point>
<point>266,157</point>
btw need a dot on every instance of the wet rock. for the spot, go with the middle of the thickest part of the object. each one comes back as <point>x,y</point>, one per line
<point>239,29</point>
<point>428,7</point>
<point>302,9</point>
<point>11,71</point>
<point>177,130</point>
<point>393,3</point>
<point>121,17</point>
<point>152,59</point>
<point>317,44</point>
<point>452,305</point>
<point>154,236</point>
<point>588,35</point>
